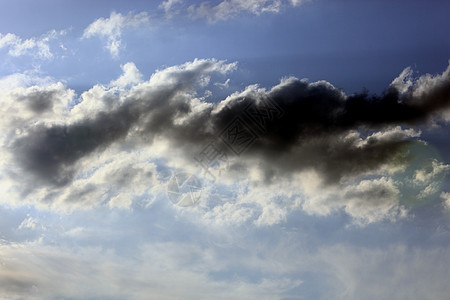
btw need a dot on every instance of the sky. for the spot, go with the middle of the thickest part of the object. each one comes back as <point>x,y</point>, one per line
<point>228,149</point>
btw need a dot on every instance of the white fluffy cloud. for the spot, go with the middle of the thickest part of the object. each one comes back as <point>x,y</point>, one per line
<point>111,29</point>
<point>131,76</point>
<point>36,46</point>
<point>25,79</point>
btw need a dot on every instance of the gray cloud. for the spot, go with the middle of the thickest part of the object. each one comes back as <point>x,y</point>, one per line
<point>40,101</point>
<point>51,151</point>
<point>314,131</point>
<point>320,129</point>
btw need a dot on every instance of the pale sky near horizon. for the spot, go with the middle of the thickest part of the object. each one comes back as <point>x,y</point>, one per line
<point>311,135</point>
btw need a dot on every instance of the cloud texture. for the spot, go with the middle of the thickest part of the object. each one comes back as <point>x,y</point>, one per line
<point>111,29</point>
<point>59,145</point>
<point>35,46</point>
<point>223,10</point>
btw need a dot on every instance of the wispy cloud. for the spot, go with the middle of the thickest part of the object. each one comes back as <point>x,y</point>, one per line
<point>168,6</point>
<point>111,29</point>
<point>277,269</point>
<point>226,9</point>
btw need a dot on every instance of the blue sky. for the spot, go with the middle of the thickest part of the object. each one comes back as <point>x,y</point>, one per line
<point>329,122</point>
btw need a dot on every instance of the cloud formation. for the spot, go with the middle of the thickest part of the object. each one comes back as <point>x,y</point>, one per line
<point>168,270</point>
<point>36,46</point>
<point>111,29</point>
<point>226,9</point>
<point>446,198</point>
<point>61,146</point>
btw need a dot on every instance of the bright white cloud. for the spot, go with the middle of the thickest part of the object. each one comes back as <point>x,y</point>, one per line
<point>404,81</point>
<point>131,76</point>
<point>111,29</point>
<point>426,175</point>
<point>36,46</point>
<point>24,80</point>
<point>366,201</point>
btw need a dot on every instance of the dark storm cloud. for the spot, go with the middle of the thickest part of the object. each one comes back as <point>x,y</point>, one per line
<point>314,109</point>
<point>52,152</point>
<point>313,132</point>
<point>318,130</point>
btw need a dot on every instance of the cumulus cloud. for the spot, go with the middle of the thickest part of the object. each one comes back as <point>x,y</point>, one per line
<point>111,114</point>
<point>367,201</point>
<point>147,108</point>
<point>36,104</point>
<point>59,145</point>
<point>223,10</point>
<point>111,29</point>
<point>131,76</point>
<point>36,46</point>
